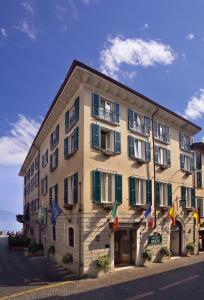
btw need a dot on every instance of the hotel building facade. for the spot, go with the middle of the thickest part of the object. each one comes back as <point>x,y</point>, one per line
<point>102,142</point>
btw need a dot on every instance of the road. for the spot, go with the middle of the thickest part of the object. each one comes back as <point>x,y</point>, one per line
<point>18,272</point>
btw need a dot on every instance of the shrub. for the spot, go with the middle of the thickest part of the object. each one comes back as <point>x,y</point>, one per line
<point>33,248</point>
<point>18,241</point>
<point>190,247</point>
<point>103,262</point>
<point>51,249</point>
<point>165,251</point>
<point>67,259</point>
<point>147,255</point>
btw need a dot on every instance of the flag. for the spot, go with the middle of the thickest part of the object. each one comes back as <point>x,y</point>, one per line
<point>148,216</point>
<point>172,215</point>
<point>55,212</point>
<point>114,217</point>
<point>196,217</point>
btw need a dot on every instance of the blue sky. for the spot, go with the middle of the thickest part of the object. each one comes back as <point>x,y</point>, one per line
<point>156,47</point>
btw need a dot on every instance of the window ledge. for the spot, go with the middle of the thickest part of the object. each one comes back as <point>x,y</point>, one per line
<point>70,127</point>
<point>163,207</point>
<point>140,160</point>
<point>187,172</point>
<point>139,133</point>
<point>53,146</point>
<point>52,169</point>
<point>70,154</point>
<point>108,152</point>
<point>186,150</point>
<point>161,141</point>
<point>68,206</point>
<point>108,206</point>
<point>107,121</point>
<point>140,206</point>
<point>163,166</point>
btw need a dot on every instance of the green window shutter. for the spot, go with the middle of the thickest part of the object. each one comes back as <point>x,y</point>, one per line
<point>146,125</point>
<point>117,113</point>
<point>76,104</point>
<point>66,120</point>
<point>181,139</point>
<point>147,151</point>
<point>130,118</point>
<point>51,140</point>
<point>131,146</point>
<point>132,190</point>
<point>168,157</point>
<point>155,128</point>
<point>96,136</point>
<point>198,161</point>
<point>193,197</point>
<point>183,196</point>
<point>56,157</point>
<point>157,194</point>
<point>156,154</point>
<point>76,139</point>
<point>66,147</point>
<point>192,165</point>
<point>75,200</point>
<point>148,192</point>
<point>169,194</point>
<point>182,157</point>
<point>96,185</point>
<point>51,161</point>
<point>57,134</point>
<point>118,188</point>
<point>95,104</point>
<point>117,142</point>
<point>66,190</point>
<point>199,179</point>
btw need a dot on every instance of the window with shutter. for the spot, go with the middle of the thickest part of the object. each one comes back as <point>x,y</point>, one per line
<point>96,186</point>
<point>72,115</point>
<point>186,163</point>
<point>198,160</point>
<point>185,141</point>
<point>54,138</point>
<point>187,197</point>
<point>162,132</point>
<point>139,149</point>
<point>199,179</point>
<point>71,143</point>
<point>54,160</point>
<point>162,156</point>
<point>138,123</point>
<point>200,206</point>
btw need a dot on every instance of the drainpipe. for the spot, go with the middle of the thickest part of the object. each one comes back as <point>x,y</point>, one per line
<point>154,168</point>
<point>80,209</point>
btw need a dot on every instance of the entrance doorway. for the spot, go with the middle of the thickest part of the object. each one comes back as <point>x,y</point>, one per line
<point>175,239</point>
<point>124,247</point>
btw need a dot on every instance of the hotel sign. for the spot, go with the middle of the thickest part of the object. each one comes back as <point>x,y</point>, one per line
<point>155,239</point>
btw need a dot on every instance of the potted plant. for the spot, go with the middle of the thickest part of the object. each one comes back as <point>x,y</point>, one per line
<point>51,251</point>
<point>190,249</point>
<point>147,256</point>
<point>36,250</point>
<point>165,254</point>
<point>67,259</point>
<point>103,264</point>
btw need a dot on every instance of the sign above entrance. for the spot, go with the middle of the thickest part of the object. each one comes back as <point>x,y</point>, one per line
<point>155,239</point>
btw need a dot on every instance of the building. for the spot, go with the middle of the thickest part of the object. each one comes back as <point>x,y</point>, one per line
<point>101,142</point>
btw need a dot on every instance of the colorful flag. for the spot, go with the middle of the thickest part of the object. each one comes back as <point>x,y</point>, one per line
<point>196,217</point>
<point>114,217</point>
<point>55,212</point>
<point>148,216</point>
<point>172,215</point>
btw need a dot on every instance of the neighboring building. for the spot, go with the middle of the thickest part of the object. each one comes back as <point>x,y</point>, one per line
<point>99,143</point>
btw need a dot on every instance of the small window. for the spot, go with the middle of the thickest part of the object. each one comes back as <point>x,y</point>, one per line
<point>54,137</point>
<point>37,163</point>
<point>107,188</point>
<point>54,160</point>
<point>44,185</point>
<point>163,194</point>
<point>107,139</point>
<point>185,141</point>
<point>162,132</point>
<point>71,237</point>
<point>162,156</point>
<point>139,149</point>
<point>200,206</point>
<point>140,191</point>
<point>53,233</point>
<point>45,159</point>
<point>72,116</point>
<point>32,169</point>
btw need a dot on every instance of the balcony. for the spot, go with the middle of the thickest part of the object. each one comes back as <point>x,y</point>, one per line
<point>163,137</point>
<point>141,128</point>
<point>108,115</point>
<point>186,147</point>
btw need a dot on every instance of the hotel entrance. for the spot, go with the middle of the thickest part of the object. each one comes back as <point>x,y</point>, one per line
<point>124,247</point>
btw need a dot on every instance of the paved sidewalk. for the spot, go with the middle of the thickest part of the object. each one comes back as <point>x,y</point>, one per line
<point>81,289</point>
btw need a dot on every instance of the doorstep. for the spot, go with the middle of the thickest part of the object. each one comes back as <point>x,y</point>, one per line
<point>123,268</point>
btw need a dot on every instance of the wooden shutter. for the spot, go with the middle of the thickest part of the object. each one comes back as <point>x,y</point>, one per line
<point>183,196</point>
<point>181,136</point>
<point>182,157</point>
<point>66,147</point>
<point>51,161</point>
<point>96,186</point>
<point>148,192</point>
<point>57,135</point>
<point>51,140</point>
<point>199,179</point>
<point>155,128</point>
<point>76,104</point>
<point>56,157</point>
<point>146,125</point>
<point>192,164</point>
<point>147,151</point>
<point>117,112</point>
<point>193,197</point>
<point>168,155</point>
<point>118,188</point>
<point>75,199</point>
<point>131,146</point>
<point>156,154</point>
<point>132,190</point>
<point>95,104</point>
<point>169,194</point>
<point>96,136</point>
<point>66,190</point>
<point>117,142</point>
<point>157,194</point>
<point>66,121</point>
<point>50,197</point>
<point>76,139</point>
<point>130,118</point>
<point>56,193</point>
<point>198,161</point>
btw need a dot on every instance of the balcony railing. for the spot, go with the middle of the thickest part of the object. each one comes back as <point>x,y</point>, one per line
<point>141,128</point>
<point>186,147</point>
<point>164,137</point>
<point>108,115</point>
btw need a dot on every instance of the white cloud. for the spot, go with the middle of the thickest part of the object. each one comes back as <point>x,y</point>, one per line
<point>133,52</point>
<point>89,1</point>
<point>3,32</point>
<point>195,106</point>
<point>190,36</point>
<point>28,7</point>
<point>146,26</point>
<point>27,27</point>
<point>15,145</point>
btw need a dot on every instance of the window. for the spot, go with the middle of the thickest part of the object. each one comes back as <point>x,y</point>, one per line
<point>36,179</point>
<point>198,179</point>
<point>45,158</point>
<point>72,115</point>
<point>200,206</point>
<point>37,163</point>
<point>139,149</point>
<point>32,183</point>
<point>161,132</point>
<point>138,123</point>
<point>71,241</point>
<point>71,143</point>
<point>107,188</point>
<point>53,194</point>
<point>105,109</point>
<point>198,160</point>
<point>187,197</point>
<point>163,194</point>
<point>107,140</point>
<point>44,182</point>
<point>141,191</point>
<point>54,160</point>
<point>162,156</point>
<point>185,141</point>
<point>71,189</point>
<point>186,163</point>
<point>53,233</point>
<point>54,138</point>
<point>32,169</point>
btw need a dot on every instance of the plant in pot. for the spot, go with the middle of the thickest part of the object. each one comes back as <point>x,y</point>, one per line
<point>35,250</point>
<point>190,249</point>
<point>165,254</point>
<point>67,259</point>
<point>103,263</point>
<point>51,251</point>
<point>147,256</point>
